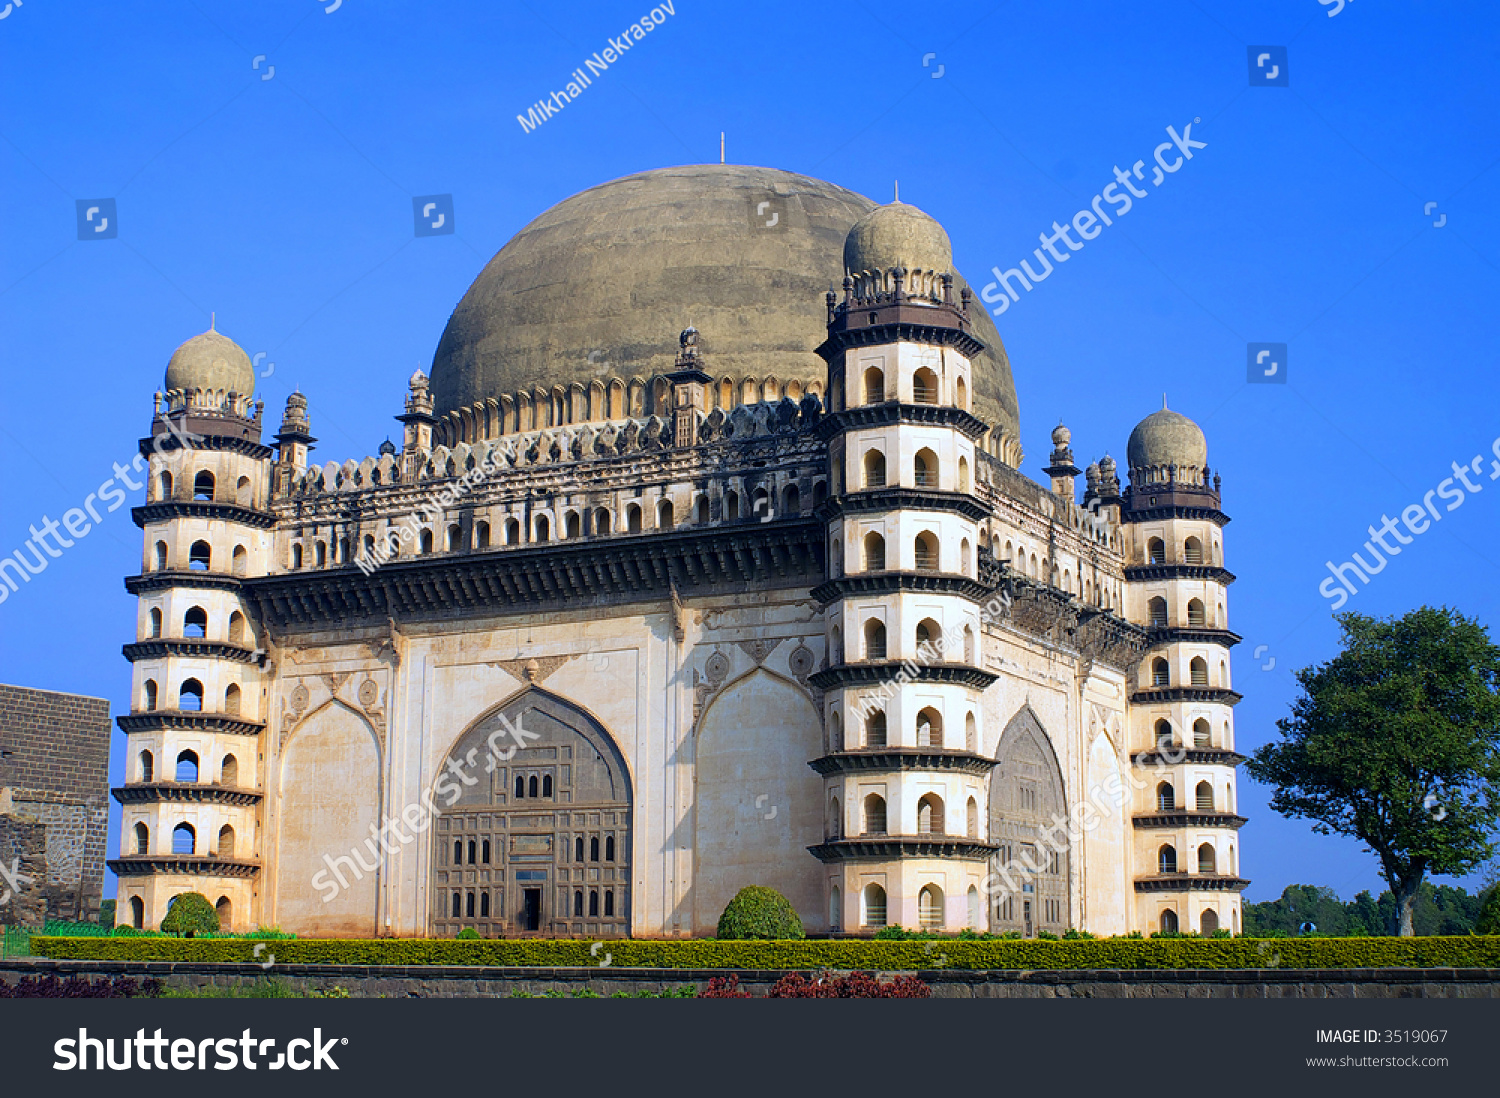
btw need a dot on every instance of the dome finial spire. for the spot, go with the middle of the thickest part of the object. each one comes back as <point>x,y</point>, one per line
<point>212,317</point>
<point>1164,402</point>
<point>898,189</point>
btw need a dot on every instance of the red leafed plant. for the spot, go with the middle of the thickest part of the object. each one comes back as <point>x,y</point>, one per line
<point>721,987</point>
<point>857,985</point>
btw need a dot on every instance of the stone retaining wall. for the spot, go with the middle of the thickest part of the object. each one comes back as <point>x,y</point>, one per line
<point>394,981</point>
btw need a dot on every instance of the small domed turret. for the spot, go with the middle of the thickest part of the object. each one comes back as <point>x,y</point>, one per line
<point>1163,440</point>
<point>897,235</point>
<point>211,361</point>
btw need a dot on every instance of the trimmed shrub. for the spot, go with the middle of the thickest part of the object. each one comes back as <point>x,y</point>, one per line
<point>468,934</point>
<point>849,954</point>
<point>190,914</point>
<point>757,912</point>
<point>721,988</point>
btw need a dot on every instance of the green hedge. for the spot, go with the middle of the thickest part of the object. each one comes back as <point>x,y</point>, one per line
<point>887,956</point>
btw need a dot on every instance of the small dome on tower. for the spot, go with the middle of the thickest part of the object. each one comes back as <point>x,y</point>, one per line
<point>1167,438</point>
<point>387,448</point>
<point>211,361</point>
<point>1061,436</point>
<point>897,235</point>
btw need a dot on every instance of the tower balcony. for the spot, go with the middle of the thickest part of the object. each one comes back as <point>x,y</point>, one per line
<point>888,759</point>
<point>887,848</point>
<point>199,865</point>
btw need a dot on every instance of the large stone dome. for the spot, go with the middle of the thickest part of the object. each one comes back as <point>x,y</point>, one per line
<point>601,285</point>
<point>211,361</point>
<point>1167,438</point>
<point>897,235</point>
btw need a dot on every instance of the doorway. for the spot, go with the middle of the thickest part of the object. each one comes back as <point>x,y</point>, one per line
<point>531,909</point>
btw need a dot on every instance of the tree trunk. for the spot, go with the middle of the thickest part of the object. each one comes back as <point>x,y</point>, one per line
<point>1405,895</point>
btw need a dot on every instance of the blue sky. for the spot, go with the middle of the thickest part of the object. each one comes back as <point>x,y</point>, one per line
<point>284,203</point>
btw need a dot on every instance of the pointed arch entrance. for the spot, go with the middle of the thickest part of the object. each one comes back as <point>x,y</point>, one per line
<point>541,842</point>
<point>1026,797</point>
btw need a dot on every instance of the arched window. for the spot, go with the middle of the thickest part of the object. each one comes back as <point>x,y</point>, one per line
<point>137,913</point>
<point>455,538</point>
<point>1198,669</point>
<point>874,469</point>
<point>664,519</point>
<point>874,552</point>
<point>1156,551</point>
<point>546,785</point>
<point>469,906</point>
<point>473,852</point>
<point>963,474</point>
<point>832,820</point>
<point>297,555</point>
<point>578,904</point>
<point>1204,797</point>
<point>731,507</point>
<point>1166,797</point>
<point>184,839</point>
<point>835,732</point>
<point>320,553</point>
<point>147,766</point>
<point>926,469</point>
<point>481,535</point>
<point>484,852</point>
<point>229,771</point>
<point>875,729</point>
<point>200,556</point>
<point>1209,921</point>
<point>971,819</point>
<point>225,911</point>
<point>1196,617</point>
<point>1192,551</point>
<point>1166,859</point>
<point>1207,862</point>
<point>458,908</point>
<point>203,486</point>
<point>1169,921</point>
<point>187,767</point>
<point>927,551</point>
<point>164,485</point>
<point>965,556</point>
<point>874,814</point>
<point>930,908</point>
<point>791,500</point>
<point>874,639</point>
<point>961,393</point>
<point>512,531</point>
<point>930,819</point>
<point>594,849</point>
<point>520,787</point>
<point>458,855</point>
<point>1202,737</point>
<point>543,529</point>
<point>142,839</point>
<point>1165,740</point>
<point>232,699</point>
<point>1159,673</point>
<point>971,654</point>
<point>609,848</point>
<point>601,520</point>
<point>835,909</point>
<point>484,905</point>
<point>1156,610</point>
<point>531,786</point>
<point>237,628</point>
<point>155,622</point>
<point>633,519</point>
<point>971,733</point>
<point>161,558</point>
<point>572,525</point>
<point>700,510</point>
<point>190,698</point>
<point>578,849</point>
<point>593,903</point>
<point>929,728</point>
<point>924,387</point>
<point>609,902</point>
<point>149,687</point>
<point>836,647</point>
<point>973,896</point>
<point>873,901</point>
<point>369,547</point>
<point>225,848</point>
<point>874,385</point>
<point>930,634</point>
<point>243,494</point>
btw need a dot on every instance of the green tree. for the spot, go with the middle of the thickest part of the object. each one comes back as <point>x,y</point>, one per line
<point>759,912</point>
<point>1489,915</point>
<point>1396,742</point>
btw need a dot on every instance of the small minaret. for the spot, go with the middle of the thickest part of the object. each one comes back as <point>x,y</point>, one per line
<point>417,422</point>
<point>293,443</point>
<point>1062,470</point>
<point>689,390</point>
